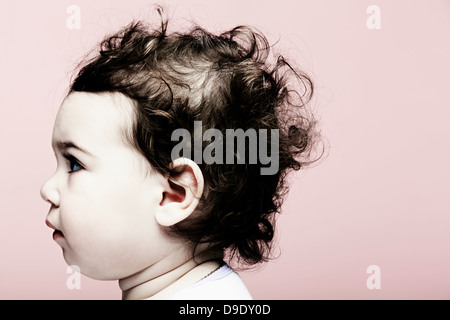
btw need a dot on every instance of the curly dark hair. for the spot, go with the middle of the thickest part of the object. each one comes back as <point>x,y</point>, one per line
<point>225,81</point>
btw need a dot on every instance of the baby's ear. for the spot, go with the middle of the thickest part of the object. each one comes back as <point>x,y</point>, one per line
<point>181,194</point>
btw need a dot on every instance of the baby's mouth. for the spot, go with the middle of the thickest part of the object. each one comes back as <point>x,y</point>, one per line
<point>57,233</point>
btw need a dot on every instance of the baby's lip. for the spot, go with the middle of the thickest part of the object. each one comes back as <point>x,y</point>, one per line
<point>50,225</point>
<point>57,233</point>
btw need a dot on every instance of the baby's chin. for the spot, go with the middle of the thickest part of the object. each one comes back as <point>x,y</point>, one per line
<point>90,269</point>
<point>97,269</point>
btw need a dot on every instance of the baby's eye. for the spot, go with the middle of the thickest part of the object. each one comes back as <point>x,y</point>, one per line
<point>74,164</point>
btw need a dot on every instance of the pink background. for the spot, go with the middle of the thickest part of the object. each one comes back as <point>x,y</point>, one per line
<point>381,197</point>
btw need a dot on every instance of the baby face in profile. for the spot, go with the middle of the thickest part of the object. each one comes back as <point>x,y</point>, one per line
<point>131,202</point>
<point>104,195</point>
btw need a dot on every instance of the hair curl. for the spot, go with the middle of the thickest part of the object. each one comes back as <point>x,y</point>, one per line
<point>225,81</point>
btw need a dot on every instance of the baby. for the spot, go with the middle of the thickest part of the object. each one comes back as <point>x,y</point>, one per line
<point>146,189</point>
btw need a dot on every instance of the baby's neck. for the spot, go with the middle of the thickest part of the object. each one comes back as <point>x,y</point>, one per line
<point>164,278</point>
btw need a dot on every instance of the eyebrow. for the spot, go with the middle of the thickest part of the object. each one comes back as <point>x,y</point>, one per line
<point>63,145</point>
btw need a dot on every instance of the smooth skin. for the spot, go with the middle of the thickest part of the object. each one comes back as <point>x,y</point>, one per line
<point>111,209</point>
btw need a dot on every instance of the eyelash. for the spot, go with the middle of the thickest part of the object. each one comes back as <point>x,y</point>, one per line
<point>72,161</point>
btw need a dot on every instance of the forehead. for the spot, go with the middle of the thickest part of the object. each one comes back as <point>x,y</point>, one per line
<point>91,118</point>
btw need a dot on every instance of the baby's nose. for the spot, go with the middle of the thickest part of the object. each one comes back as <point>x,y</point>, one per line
<point>49,192</point>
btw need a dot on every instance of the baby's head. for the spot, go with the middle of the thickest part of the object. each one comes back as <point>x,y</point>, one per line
<point>147,166</point>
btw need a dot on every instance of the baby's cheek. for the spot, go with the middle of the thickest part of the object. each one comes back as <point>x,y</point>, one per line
<point>99,251</point>
<point>111,230</point>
